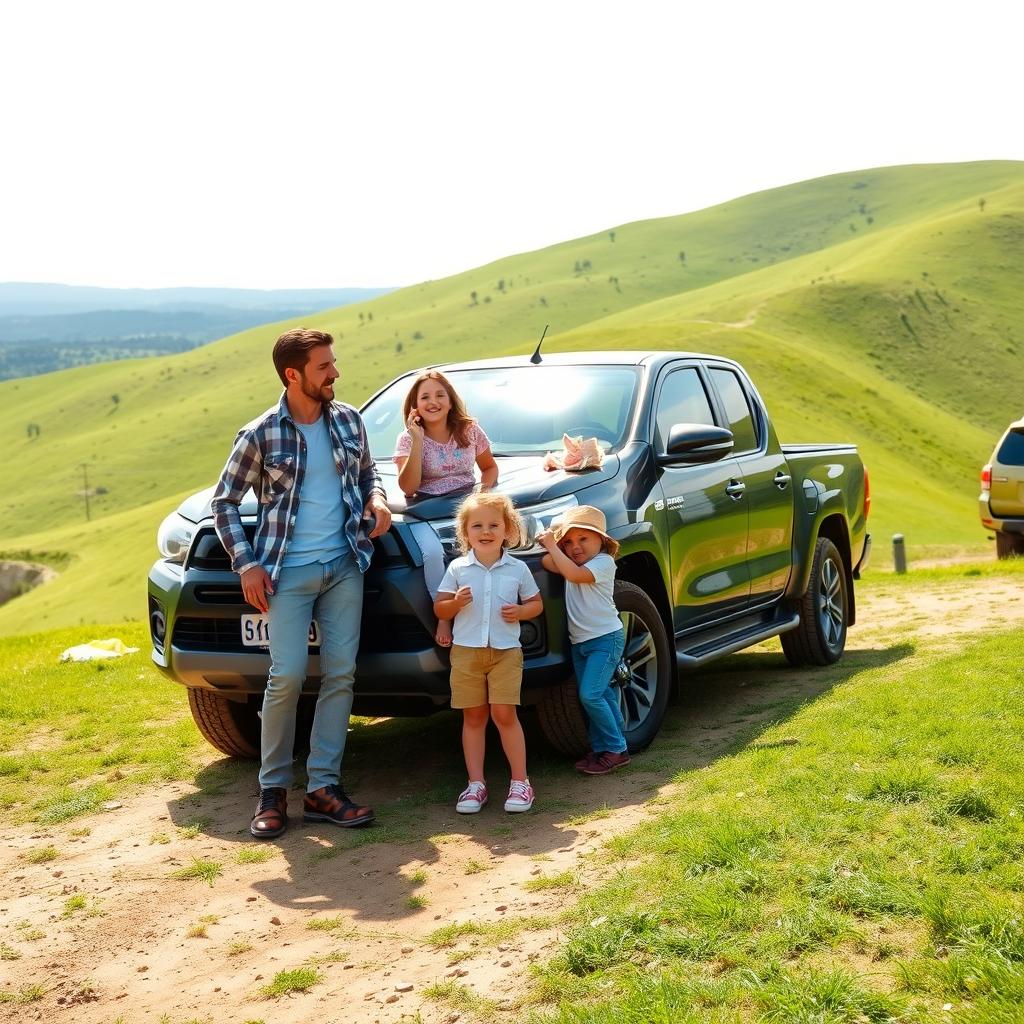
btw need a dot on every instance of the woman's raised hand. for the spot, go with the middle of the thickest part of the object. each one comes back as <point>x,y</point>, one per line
<point>415,426</point>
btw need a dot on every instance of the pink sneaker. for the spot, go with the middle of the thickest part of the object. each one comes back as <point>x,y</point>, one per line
<point>520,796</point>
<point>472,798</point>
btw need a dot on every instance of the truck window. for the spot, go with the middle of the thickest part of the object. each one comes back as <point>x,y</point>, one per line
<point>682,400</point>
<point>737,410</point>
<point>1011,451</point>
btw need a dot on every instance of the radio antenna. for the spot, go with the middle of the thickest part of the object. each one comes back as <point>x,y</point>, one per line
<point>535,358</point>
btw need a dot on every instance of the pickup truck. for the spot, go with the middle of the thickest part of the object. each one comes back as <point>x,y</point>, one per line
<point>727,538</point>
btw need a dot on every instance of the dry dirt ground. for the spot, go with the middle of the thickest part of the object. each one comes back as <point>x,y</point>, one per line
<point>138,944</point>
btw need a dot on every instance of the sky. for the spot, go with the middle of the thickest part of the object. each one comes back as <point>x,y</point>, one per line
<point>339,144</point>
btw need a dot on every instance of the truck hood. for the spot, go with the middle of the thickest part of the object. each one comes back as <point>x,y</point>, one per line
<point>520,477</point>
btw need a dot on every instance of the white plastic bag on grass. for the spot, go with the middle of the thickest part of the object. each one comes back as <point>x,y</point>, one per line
<point>96,650</point>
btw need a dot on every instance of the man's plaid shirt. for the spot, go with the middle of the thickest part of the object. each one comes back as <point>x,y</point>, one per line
<point>269,457</point>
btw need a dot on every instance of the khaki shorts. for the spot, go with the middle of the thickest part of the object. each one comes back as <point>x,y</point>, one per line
<point>483,675</point>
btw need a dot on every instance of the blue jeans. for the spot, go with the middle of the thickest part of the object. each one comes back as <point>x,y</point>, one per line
<point>331,592</point>
<point>594,662</point>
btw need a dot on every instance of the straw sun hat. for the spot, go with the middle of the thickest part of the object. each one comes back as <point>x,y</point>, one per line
<point>586,517</point>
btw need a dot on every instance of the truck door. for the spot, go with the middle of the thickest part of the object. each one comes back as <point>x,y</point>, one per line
<point>704,511</point>
<point>769,490</point>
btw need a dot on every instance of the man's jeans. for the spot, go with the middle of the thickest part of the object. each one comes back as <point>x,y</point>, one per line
<point>594,662</point>
<point>332,593</point>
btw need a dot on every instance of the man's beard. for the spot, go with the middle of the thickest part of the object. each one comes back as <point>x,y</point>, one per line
<point>317,394</point>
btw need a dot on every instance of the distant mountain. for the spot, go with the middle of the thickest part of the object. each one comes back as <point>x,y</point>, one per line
<point>45,327</point>
<point>43,298</point>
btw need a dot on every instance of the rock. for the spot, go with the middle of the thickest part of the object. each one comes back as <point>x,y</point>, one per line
<point>275,920</point>
<point>392,999</point>
<point>407,949</point>
<point>501,909</point>
<point>403,986</point>
<point>112,805</point>
<point>142,969</point>
<point>506,963</point>
<point>250,899</point>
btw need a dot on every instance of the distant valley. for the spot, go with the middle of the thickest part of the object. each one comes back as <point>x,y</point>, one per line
<point>46,327</point>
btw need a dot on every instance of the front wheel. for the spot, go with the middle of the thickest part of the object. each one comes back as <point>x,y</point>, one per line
<point>643,679</point>
<point>1008,545</point>
<point>233,727</point>
<point>820,638</point>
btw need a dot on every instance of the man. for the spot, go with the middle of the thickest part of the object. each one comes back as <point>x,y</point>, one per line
<point>320,504</point>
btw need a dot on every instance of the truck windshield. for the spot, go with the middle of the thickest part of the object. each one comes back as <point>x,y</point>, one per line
<point>524,410</point>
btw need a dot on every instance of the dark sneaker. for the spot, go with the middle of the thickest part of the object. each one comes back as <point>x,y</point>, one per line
<point>271,816</point>
<point>329,803</point>
<point>606,762</point>
<point>586,761</point>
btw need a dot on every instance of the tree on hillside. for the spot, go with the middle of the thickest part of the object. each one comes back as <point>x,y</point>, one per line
<point>472,295</point>
<point>682,256</point>
<point>611,236</point>
<point>981,205</point>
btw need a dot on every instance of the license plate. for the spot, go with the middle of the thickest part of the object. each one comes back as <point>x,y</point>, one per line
<point>256,631</point>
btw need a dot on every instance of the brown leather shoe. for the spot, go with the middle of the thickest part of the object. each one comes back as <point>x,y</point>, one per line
<point>271,816</point>
<point>606,762</point>
<point>329,803</point>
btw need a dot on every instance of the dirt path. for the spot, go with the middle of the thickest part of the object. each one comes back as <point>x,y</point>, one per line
<point>108,932</point>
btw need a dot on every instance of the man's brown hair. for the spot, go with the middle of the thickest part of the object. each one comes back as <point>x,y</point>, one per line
<point>291,350</point>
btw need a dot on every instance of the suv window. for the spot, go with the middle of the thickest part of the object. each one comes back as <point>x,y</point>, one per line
<point>682,400</point>
<point>737,410</point>
<point>1011,451</point>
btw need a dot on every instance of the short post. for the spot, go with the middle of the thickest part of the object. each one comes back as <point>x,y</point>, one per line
<point>899,553</point>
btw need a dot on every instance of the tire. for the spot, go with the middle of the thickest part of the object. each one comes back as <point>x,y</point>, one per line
<point>1008,545</point>
<point>820,638</point>
<point>230,726</point>
<point>643,679</point>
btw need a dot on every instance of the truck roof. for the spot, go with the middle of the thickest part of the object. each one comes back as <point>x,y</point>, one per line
<point>619,357</point>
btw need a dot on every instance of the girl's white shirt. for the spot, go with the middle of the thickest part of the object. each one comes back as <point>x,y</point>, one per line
<point>591,606</point>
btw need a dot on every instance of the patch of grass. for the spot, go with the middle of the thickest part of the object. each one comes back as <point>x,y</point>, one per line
<point>26,994</point>
<point>418,877</point>
<point>196,931</point>
<point>159,839</point>
<point>416,901</point>
<point>460,997</point>
<point>194,828</point>
<point>300,979</point>
<point>237,947</point>
<point>73,904</point>
<point>562,880</point>
<point>254,854</point>
<point>27,932</point>
<point>200,868</point>
<point>328,924</point>
<point>598,814</point>
<point>85,723</point>
<point>474,867</point>
<point>80,833</point>
<point>489,934</point>
<point>41,855</point>
<point>766,879</point>
<point>8,952</point>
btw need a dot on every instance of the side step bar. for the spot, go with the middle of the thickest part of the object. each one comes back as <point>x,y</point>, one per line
<point>730,644</point>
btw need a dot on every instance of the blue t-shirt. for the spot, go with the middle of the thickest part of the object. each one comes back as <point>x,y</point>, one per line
<point>319,531</point>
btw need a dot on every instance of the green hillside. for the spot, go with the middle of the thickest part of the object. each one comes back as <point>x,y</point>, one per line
<point>881,307</point>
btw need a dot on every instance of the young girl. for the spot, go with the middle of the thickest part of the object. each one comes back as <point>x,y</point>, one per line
<point>581,551</point>
<point>482,592</point>
<point>435,455</point>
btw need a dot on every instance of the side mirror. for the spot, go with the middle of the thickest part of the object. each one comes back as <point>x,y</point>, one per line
<point>694,443</point>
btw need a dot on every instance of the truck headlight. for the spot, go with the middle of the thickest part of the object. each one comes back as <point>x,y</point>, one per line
<point>174,537</point>
<point>543,517</point>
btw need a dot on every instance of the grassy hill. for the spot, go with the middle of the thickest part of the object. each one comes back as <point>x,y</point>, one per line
<point>881,307</point>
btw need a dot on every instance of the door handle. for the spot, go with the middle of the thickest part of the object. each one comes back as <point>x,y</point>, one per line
<point>735,489</point>
<point>782,480</point>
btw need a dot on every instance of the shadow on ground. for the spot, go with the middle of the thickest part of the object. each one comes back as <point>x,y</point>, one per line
<point>411,770</point>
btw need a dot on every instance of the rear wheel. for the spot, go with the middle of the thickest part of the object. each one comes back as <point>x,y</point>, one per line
<point>233,727</point>
<point>643,679</point>
<point>1008,545</point>
<point>820,638</point>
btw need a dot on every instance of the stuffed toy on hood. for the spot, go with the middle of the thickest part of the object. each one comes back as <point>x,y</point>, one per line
<point>577,453</point>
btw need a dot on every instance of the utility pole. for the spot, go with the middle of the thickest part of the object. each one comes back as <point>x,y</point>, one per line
<point>85,493</point>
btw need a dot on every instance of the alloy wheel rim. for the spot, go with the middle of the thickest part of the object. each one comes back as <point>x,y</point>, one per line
<point>831,604</point>
<point>636,674</point>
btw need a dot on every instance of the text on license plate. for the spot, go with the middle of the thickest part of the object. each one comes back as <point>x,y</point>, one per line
<point>256,631</point>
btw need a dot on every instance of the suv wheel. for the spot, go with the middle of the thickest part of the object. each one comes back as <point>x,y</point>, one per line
<point>1008,545</point>
<point>643,680</point>
<point>820,639</point>
<point>233,727</point>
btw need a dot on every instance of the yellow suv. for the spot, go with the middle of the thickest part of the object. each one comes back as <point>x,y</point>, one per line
<point>1001,501</point>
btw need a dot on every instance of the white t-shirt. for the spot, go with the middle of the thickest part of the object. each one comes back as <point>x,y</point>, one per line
<point>591,606</point>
